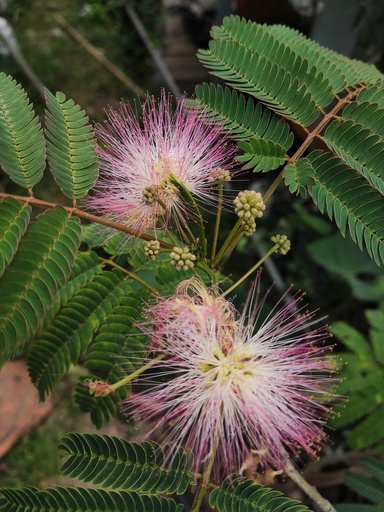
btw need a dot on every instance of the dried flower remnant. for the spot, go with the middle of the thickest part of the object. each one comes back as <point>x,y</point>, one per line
<point>142,156</point>
<point>259,388</point>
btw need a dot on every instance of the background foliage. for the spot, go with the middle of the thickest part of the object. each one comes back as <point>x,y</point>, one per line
<point>308,116</point>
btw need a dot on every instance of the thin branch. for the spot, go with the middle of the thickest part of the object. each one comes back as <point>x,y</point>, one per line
<point>87,216</point>
<point>311,136</point>
<point>97,55</point>
<point>309,490</point>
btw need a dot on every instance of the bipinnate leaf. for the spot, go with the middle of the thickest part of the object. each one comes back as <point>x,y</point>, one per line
<point>72,330</point>
<point>242,118</point>
<point>60,499</point>
<point>362,375</point>
<point>14,220</point>
<point>22,146</point>
<point>71,146</point>
<point>86,265</point>
<point>40,267</point>
<point>112,462</point>
<point>298,176</point>
<point>348,199</point>
<point>261,155</point>
<point>239,494</point>
<point>118,350</point>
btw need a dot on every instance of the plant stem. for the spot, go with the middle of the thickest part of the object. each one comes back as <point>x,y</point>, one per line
<point>310,137</point>
<point>255,267</point>
<point>232,235</point>
<point>87,216</point>
<point>136,373</point>
<point>187,195</point>
<point>206,475</point>
<point>132,275</point>
<point>218,219</point>
<point>311,491</point>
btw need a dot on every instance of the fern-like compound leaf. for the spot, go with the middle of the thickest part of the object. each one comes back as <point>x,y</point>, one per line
<point>350,200</point>
<point>242,118</point>
<point>298,176</point>
<point>60,499</point>
<point>360,148</point>
<point>14,220</point>
<point>262,40</point>
<point>117,351</point>
<point>30,283</point>
<point>254,74</point>
<point>362,376</point>
<point>338,70</point>
<point>261,155</point>
<point>115,463</point>
<point>239,494</point>
<point>85,267</point>
<point>71,146</point>
<point>22,146</point>
<point>71,331</point>
<point>366,486</point>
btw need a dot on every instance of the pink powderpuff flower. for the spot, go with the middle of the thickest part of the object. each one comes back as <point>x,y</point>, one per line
<point>226,383</point>
<point>139,158</point>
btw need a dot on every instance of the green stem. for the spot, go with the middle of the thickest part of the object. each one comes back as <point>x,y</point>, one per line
<point>233,235</point>
<point>130,274</point>
<point>255,267</point>
<point>218,219</point>
<point>187,195</point>
<point>310,137</point>
<point>136,373</point>
<point>87,216</point>
<point>206,475</point>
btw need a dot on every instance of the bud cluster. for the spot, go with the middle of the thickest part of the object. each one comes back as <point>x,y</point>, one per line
<point>219,175</point>
<point>249,205</point>
<point>151,249</point>
<point>182,258</point>
<point>283,242</point>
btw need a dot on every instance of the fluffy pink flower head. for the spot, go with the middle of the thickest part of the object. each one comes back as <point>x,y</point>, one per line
<point>141,154</point>
<point>230,385</point>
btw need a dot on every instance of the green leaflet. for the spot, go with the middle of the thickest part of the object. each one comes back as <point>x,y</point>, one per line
<point>85,267</point>
<point>340,71</point>
<point>58,499</point>
<point>72,329</point>
<point>360,148</point>
<point>260,77</point>
<point>261,155</point>
<point>14,220</point>
<point>242,118</point>
<point>115,463</point>
<point>22,146</point>
<point>71,146</point>
<point>262,40</point>
<point>370,487</point>
<point>117,351</point>
<point>362,375</point>
<point>38,270</point>
<point>298,176</point>
<point>350,200</point>
<point>239,494</point>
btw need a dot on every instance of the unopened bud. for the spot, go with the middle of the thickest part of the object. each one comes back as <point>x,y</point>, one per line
<point>283,242</point>
<point>182,258</point>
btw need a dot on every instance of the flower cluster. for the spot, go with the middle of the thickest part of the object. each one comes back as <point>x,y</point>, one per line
<point>142,158</point>
<point>249,205</point>
<point>230,384</point>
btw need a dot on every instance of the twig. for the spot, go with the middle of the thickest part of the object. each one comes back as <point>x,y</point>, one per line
<point>311,491</point>
<point>6,33</point>
<point>97,55</point>
<point>154,52</point>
